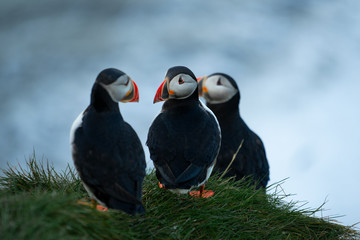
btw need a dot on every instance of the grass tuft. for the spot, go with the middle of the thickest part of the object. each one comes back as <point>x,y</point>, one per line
<point>39,203</point>
<point>39,175</point>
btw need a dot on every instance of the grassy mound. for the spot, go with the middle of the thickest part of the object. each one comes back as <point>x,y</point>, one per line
<point>39,203</point>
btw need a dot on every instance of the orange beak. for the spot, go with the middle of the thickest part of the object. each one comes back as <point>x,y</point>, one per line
<point>162,93</point>
<point>136,93</point>
<point>201,87</point>
<point>133,94</point>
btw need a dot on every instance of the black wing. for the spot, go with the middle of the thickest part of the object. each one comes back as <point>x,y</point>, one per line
<point>262,164</point>
<point>183,147</point>
<point>111,162</point>
<point>251,159</point>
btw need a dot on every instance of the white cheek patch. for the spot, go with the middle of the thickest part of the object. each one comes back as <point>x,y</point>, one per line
<point>183,90</point>
<point>117,90</point>
<point>218,93</point>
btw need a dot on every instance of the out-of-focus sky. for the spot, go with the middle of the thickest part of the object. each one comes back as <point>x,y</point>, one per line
<point>296,63</point>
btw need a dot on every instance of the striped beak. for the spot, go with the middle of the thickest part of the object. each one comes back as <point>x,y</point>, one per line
<point>133,94</point>
<point>162,93</point>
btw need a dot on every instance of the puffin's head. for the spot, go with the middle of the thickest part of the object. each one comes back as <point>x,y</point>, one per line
<point>119,86</point>
<point>180,83</point>
<point>217,88</point>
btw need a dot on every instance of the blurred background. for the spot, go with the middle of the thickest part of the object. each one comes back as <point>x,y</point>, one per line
<point>296,63</point>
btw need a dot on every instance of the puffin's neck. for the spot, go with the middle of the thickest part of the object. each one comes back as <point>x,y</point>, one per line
<point>101,100</point>
<point>176,103</point>
<point>226,111</point>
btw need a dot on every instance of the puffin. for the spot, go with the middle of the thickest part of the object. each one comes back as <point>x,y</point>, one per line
<point>184,138</point>
<point>242,153</point>
<point>106,151</point>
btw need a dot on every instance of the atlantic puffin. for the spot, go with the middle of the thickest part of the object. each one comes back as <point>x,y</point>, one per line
<point>184,139</point>
<point>106,150</point>
<point>242,153</point>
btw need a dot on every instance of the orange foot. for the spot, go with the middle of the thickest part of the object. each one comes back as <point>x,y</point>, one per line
<point>97,206</point>
<point>161,185</point>
<point>101,208</point>
<point>202,193</point>
<point>205,194</point>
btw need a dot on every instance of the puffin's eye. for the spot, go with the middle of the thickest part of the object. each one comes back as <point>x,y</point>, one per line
<point>127,81</point>
<point>181,81</point>
<point>219,82</point>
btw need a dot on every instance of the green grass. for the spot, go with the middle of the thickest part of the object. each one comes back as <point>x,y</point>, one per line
<point>39,203</point>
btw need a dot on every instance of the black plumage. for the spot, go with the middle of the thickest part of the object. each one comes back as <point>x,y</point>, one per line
<point>251,159</point>
<point>107,152</point>
<point>184,139</point>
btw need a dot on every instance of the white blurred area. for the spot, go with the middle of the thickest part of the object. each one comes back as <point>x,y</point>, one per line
<point>296,63</point>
